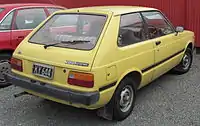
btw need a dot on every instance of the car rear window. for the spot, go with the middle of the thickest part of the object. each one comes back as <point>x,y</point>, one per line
<point>67,29</point>
<point>1,9</point>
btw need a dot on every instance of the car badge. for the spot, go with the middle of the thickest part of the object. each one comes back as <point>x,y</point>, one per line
<point>76,63</point>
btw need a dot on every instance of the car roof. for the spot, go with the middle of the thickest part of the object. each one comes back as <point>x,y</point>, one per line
<point>12,6</point>
<point>116,10</point>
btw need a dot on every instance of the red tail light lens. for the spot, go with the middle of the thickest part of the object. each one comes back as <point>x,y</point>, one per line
<point>16,64</point>
<point>81,79</point>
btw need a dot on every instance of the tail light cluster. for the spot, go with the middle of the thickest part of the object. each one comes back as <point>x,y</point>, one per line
<point>81,79</point>
<point>16,64</point>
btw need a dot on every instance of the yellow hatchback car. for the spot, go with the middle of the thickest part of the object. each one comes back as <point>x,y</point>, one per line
<point>98,57</point>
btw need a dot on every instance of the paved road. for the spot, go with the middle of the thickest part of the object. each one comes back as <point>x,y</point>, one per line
<point>169,101</point>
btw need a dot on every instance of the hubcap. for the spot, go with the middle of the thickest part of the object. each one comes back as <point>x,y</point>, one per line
<point>126,98</point>
<point>186,61</point>
<point>4,68</point>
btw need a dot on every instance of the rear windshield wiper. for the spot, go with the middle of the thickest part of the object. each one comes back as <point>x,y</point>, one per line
<point>68,42</point>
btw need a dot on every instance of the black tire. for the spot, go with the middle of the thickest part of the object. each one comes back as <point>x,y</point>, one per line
<point>184,67</point>
<point>118,114</point>
<point>4,57</point>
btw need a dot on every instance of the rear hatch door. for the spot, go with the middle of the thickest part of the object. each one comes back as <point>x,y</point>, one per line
<point>72,49</point>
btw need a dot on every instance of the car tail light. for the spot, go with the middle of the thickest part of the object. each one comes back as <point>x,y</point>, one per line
<point>16,64</point>
<point>81,79</point>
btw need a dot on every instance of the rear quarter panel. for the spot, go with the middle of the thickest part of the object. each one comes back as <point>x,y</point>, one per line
<point>112,63</point>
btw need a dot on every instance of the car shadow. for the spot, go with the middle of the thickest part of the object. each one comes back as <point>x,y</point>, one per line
<point>76,116</point>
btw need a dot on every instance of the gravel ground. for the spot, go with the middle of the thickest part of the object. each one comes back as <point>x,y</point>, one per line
<point>169,101</point>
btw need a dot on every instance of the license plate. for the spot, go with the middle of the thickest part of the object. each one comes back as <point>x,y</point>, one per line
<point>42,70</point>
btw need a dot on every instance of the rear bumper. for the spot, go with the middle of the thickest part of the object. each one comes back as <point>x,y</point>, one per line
<point>75,97</point>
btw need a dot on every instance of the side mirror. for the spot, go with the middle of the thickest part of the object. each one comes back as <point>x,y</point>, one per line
<point>179,29</point>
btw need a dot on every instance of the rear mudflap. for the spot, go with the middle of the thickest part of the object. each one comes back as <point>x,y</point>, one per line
<point>106,112</point>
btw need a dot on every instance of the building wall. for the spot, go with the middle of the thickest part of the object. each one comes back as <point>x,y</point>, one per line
<point>192,18</point>
<point>181,12</point>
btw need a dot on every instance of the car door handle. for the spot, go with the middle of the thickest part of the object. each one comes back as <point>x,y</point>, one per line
<point>158,42</point>
<point>20,37</point>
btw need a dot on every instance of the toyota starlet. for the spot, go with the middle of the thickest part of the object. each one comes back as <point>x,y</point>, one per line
<point>98,57</point>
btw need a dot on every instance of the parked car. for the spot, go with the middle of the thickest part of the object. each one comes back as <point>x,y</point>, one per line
<point>101,57</point>
<point>16,22</point>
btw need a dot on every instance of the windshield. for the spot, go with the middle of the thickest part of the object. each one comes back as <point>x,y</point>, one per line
<point>68,28</point>
<point>1,9</point>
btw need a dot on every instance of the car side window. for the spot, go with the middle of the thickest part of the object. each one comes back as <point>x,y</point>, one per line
<point>157,25</point>
<point>131,29</point>
<point>52,10</point>
<point>1,9</point>
<point>7,22</point>
<point>29,18</point>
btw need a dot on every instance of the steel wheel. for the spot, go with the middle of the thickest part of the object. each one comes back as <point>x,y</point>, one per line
<point>126,98</point>
<point>186,61</point>
<point>4,68</point>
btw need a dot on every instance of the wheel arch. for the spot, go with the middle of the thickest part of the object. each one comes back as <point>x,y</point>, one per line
<point>190,45</point>
<point>107,112</point>
<point>135,74</point>
<point>10,51</point>
<point>6,53</point>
